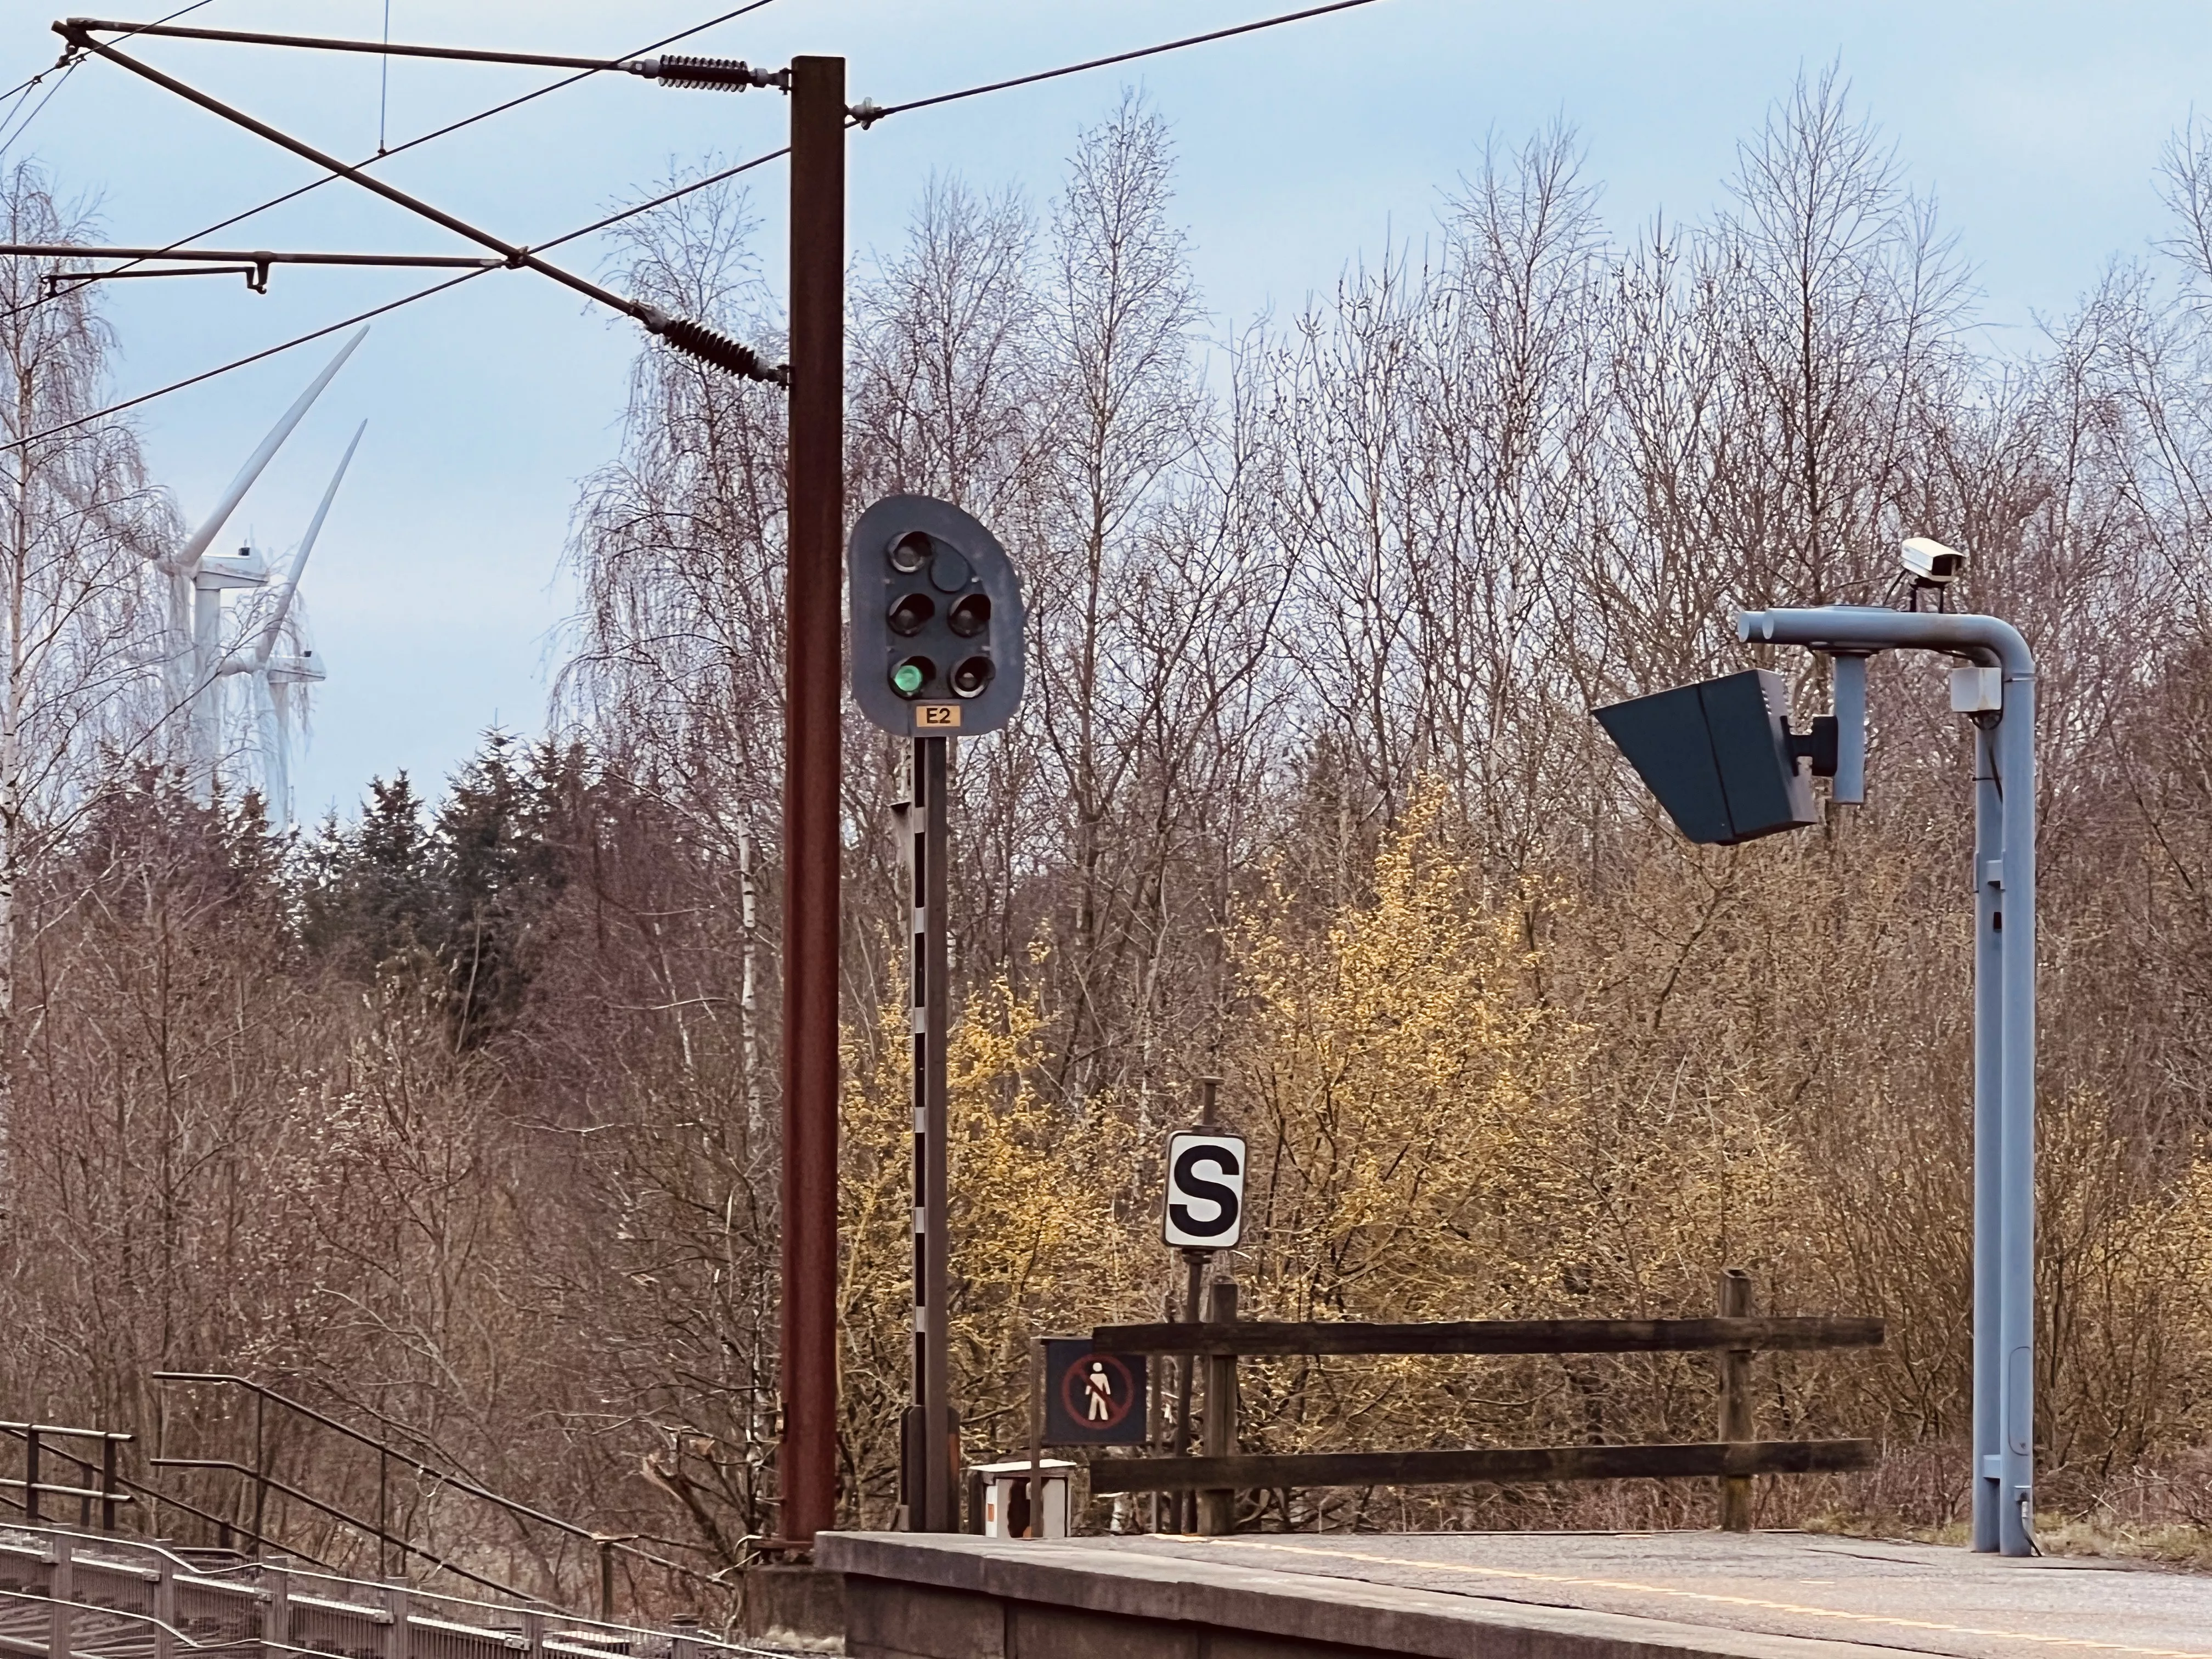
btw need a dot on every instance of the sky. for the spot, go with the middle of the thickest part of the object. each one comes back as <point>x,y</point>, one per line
<point>437,592</point>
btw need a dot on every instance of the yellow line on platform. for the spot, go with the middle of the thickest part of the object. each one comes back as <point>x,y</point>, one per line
<point>1889,1620</point>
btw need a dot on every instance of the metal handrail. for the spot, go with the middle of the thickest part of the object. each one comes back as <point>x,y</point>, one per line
<point>214,1519</point>
<point>183,1563</point>
<point>427,1609</point>
<point>354,1521</point>
<point>39,1438</point>
<point>54,1491</point>
<point>183,1637</point>
<point>55,1430</point>
<point>457,1482</point>
<point>132,1491</point>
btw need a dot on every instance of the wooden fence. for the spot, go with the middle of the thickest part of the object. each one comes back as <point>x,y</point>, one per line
<point>1734,1334</point>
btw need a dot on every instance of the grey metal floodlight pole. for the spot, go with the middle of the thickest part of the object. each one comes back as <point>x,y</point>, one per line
<point>2004,1017</point>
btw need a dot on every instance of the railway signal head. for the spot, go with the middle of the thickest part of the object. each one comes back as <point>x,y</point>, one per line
<point>936,620</point>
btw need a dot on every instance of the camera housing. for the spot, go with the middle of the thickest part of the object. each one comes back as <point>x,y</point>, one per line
<point>1929,563</point>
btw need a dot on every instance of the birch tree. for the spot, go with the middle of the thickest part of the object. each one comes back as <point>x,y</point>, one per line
<point>81,519</point>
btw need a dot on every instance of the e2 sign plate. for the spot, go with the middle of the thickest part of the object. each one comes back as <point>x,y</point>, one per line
<point>1205,1209</point>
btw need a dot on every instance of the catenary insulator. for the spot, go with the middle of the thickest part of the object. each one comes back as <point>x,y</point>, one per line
<point>710,345</point>
<point>721,74</point>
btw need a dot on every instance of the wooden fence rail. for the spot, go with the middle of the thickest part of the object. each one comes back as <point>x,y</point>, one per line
<point>1489,1336</point>
<point>1733,1334</point>
<point>1734,1459</point>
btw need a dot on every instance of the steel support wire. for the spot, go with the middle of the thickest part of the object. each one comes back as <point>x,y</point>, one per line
<point>685,335</point>
<point>374,312</point>
<point>252,264</point>
<point>866,115</point>
<point>726,74</point>
<point>67,67</point>
<point>424,138</point>
<point>249,256</point>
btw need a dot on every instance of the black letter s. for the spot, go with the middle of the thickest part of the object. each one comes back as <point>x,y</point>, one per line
<point>1190,1183</point>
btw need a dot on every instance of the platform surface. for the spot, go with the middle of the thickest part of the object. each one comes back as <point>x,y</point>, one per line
<point>1756,1593</point>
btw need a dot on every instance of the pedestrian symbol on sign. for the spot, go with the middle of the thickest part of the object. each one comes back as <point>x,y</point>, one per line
<point>1091,1398</point>
<point>1100,1391</point>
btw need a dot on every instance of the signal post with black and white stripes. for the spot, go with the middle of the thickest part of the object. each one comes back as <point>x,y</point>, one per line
<point>937,655</point>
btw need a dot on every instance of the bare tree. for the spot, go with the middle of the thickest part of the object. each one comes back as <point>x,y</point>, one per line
<point>80,515</point>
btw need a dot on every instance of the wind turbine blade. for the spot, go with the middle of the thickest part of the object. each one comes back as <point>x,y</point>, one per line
<point>284,595</point>
<point>188,558</point>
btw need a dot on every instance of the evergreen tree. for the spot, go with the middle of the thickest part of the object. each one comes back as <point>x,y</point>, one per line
<point>371,902</point>
<point>495,866</point>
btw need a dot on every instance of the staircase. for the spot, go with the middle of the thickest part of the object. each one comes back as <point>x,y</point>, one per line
<point>71,1595</point>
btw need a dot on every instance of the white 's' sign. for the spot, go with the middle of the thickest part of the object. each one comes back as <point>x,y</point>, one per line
<point>1205,1191</point>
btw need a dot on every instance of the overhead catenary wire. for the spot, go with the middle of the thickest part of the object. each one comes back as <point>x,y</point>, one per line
<point>868,114</point>
<point>254,264</point>
<point>384,48</point>
<point>664,200</point>
<point>391,305</point>
<point>266,256</point>
<point>875,115</point>
<point>514,253</point>
<point>484,114</point>
<point>384,83</point>
<point>696,337</point>
<point>67,67</point>
<point>22,90</point>
<point>8,143</point>
<point>23,87</point>
<point>721,74</point>
<point>61,427</point>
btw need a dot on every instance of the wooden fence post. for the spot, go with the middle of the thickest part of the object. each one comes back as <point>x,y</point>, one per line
<point>1033,1492</point>
<point>1216,1509</point>
<point>1735,1399</point>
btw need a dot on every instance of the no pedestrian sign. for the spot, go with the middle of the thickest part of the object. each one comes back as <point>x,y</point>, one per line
<point>1205,1209</point>
<point>1091,1398</point>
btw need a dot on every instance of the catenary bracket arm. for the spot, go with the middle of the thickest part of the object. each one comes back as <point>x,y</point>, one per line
<point>690,336</point>
<point>513,254</point>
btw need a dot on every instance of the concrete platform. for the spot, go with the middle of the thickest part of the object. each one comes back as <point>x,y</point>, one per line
<point>1497,1595</point>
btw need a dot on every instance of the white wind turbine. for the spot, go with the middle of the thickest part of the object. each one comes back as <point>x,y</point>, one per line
<point>191,652</point>
<point>272,675</point>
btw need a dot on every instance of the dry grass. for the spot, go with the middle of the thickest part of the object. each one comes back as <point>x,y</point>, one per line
<point>2099,1533</point>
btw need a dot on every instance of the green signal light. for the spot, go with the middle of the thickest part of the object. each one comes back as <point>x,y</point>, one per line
<point>908,678</point>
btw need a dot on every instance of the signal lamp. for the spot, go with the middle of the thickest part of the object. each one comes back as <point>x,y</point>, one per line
<point>912,611</point>
<point>913,676</point>
<point>910,552</point>
<point>972,675</point>
<point>949,569</point>
<point>969,616</point>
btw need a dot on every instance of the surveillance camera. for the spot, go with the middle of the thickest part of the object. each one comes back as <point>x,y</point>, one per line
<point>1929,563</point>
